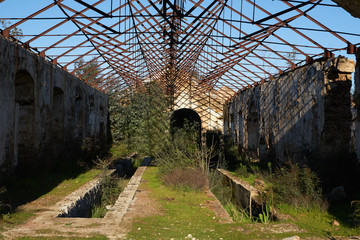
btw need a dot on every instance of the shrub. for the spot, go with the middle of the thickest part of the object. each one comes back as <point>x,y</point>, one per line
<point>111,187</point>
<point>186,179</point>
<point>242,170</point>
<point>184,152</point>
<point>297,186</point>
<point>140,118</point>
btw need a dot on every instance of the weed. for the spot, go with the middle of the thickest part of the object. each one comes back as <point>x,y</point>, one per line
<point>297,186</point>
<point>111,187</point>
<point>98,211</point>
<point>237,214</point>
<point>242,171</point>
<point>265,216</point>
<point>120,150</point>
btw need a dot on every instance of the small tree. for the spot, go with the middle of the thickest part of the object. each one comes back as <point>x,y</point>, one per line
<point>141,119</point>
<point>89,71</point>
<point>16,32</point>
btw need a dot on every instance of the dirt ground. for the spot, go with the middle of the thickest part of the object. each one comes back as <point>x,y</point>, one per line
<point>46,224</point>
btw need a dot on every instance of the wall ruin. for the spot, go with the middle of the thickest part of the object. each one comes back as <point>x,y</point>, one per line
<point>46,112</point>
<point>301,113</point>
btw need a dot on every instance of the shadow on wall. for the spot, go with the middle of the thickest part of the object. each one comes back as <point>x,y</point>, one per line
<point>24,126</point>
<point>303,117</point>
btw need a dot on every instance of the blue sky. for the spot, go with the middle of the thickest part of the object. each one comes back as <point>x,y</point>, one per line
<point>335,18</point>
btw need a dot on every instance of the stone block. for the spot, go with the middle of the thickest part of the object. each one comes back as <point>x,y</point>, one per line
<point>345,65</point>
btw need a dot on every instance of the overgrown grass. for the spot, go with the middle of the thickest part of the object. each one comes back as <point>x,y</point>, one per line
<point>317,222</point>
<point>183,213</point>
<point>111,186</point>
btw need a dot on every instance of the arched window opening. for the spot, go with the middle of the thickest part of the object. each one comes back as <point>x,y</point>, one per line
<point>58,114</point>
<point>253,128</point>
<point>24,126</point>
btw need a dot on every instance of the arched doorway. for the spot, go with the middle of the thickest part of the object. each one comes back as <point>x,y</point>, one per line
<point>181,117</point>
<point>24,126</point>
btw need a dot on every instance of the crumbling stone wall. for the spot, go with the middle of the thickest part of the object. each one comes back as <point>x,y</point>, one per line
<point>301,113</point>
<point>45,112</point>
<point>356,108</point>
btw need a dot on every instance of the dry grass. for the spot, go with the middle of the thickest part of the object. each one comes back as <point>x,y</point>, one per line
<point>186,179</point>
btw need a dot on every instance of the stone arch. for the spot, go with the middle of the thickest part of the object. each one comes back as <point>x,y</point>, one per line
<point>24,125</point>
<point>181,116</point>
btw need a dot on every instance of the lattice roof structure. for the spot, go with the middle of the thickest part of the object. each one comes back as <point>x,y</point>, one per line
<point>223,46</point>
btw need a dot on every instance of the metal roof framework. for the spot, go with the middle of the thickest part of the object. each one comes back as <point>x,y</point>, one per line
<point>221,46</point>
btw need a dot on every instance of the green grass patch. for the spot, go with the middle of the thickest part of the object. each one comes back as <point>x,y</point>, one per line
<point>67,186</point>
<point>248,178</point>
<point>318,222</point>
<point>182,215</point>
<point>15,218</point>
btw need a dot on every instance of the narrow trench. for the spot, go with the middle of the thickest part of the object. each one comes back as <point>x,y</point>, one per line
<point>104,192</point>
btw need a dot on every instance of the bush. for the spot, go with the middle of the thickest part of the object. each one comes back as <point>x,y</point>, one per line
<point>140,119</point>
<point>184,179</point>
<point>184,152</point>
<point>111,187</point>
<point>297,186</point>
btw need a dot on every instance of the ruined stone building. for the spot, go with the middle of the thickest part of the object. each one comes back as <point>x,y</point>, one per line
<point>269,74</point>
<point>46,113</point>
<point>303,112</point>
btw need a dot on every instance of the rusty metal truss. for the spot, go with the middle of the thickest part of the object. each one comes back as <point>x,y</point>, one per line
<point>216,46</point>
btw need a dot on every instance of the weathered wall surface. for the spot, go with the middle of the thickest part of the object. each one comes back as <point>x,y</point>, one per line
<point>207,105</point>
<point>353,7</point>
<point>356,107</point>
<point>45,112</point>
<point>303,112</point>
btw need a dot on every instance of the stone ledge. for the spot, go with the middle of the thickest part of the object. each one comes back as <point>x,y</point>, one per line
<point>243,194</point>
<point>122,204</point>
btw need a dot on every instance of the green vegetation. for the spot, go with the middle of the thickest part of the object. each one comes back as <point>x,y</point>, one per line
<point>317,222</point>
<point>187,212</point>
<point>140,119</point>
<point>356,211</point>
<point>16,32</point>
<point>181,215</point>
<point>111,187</point>
<point>88,71</point>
